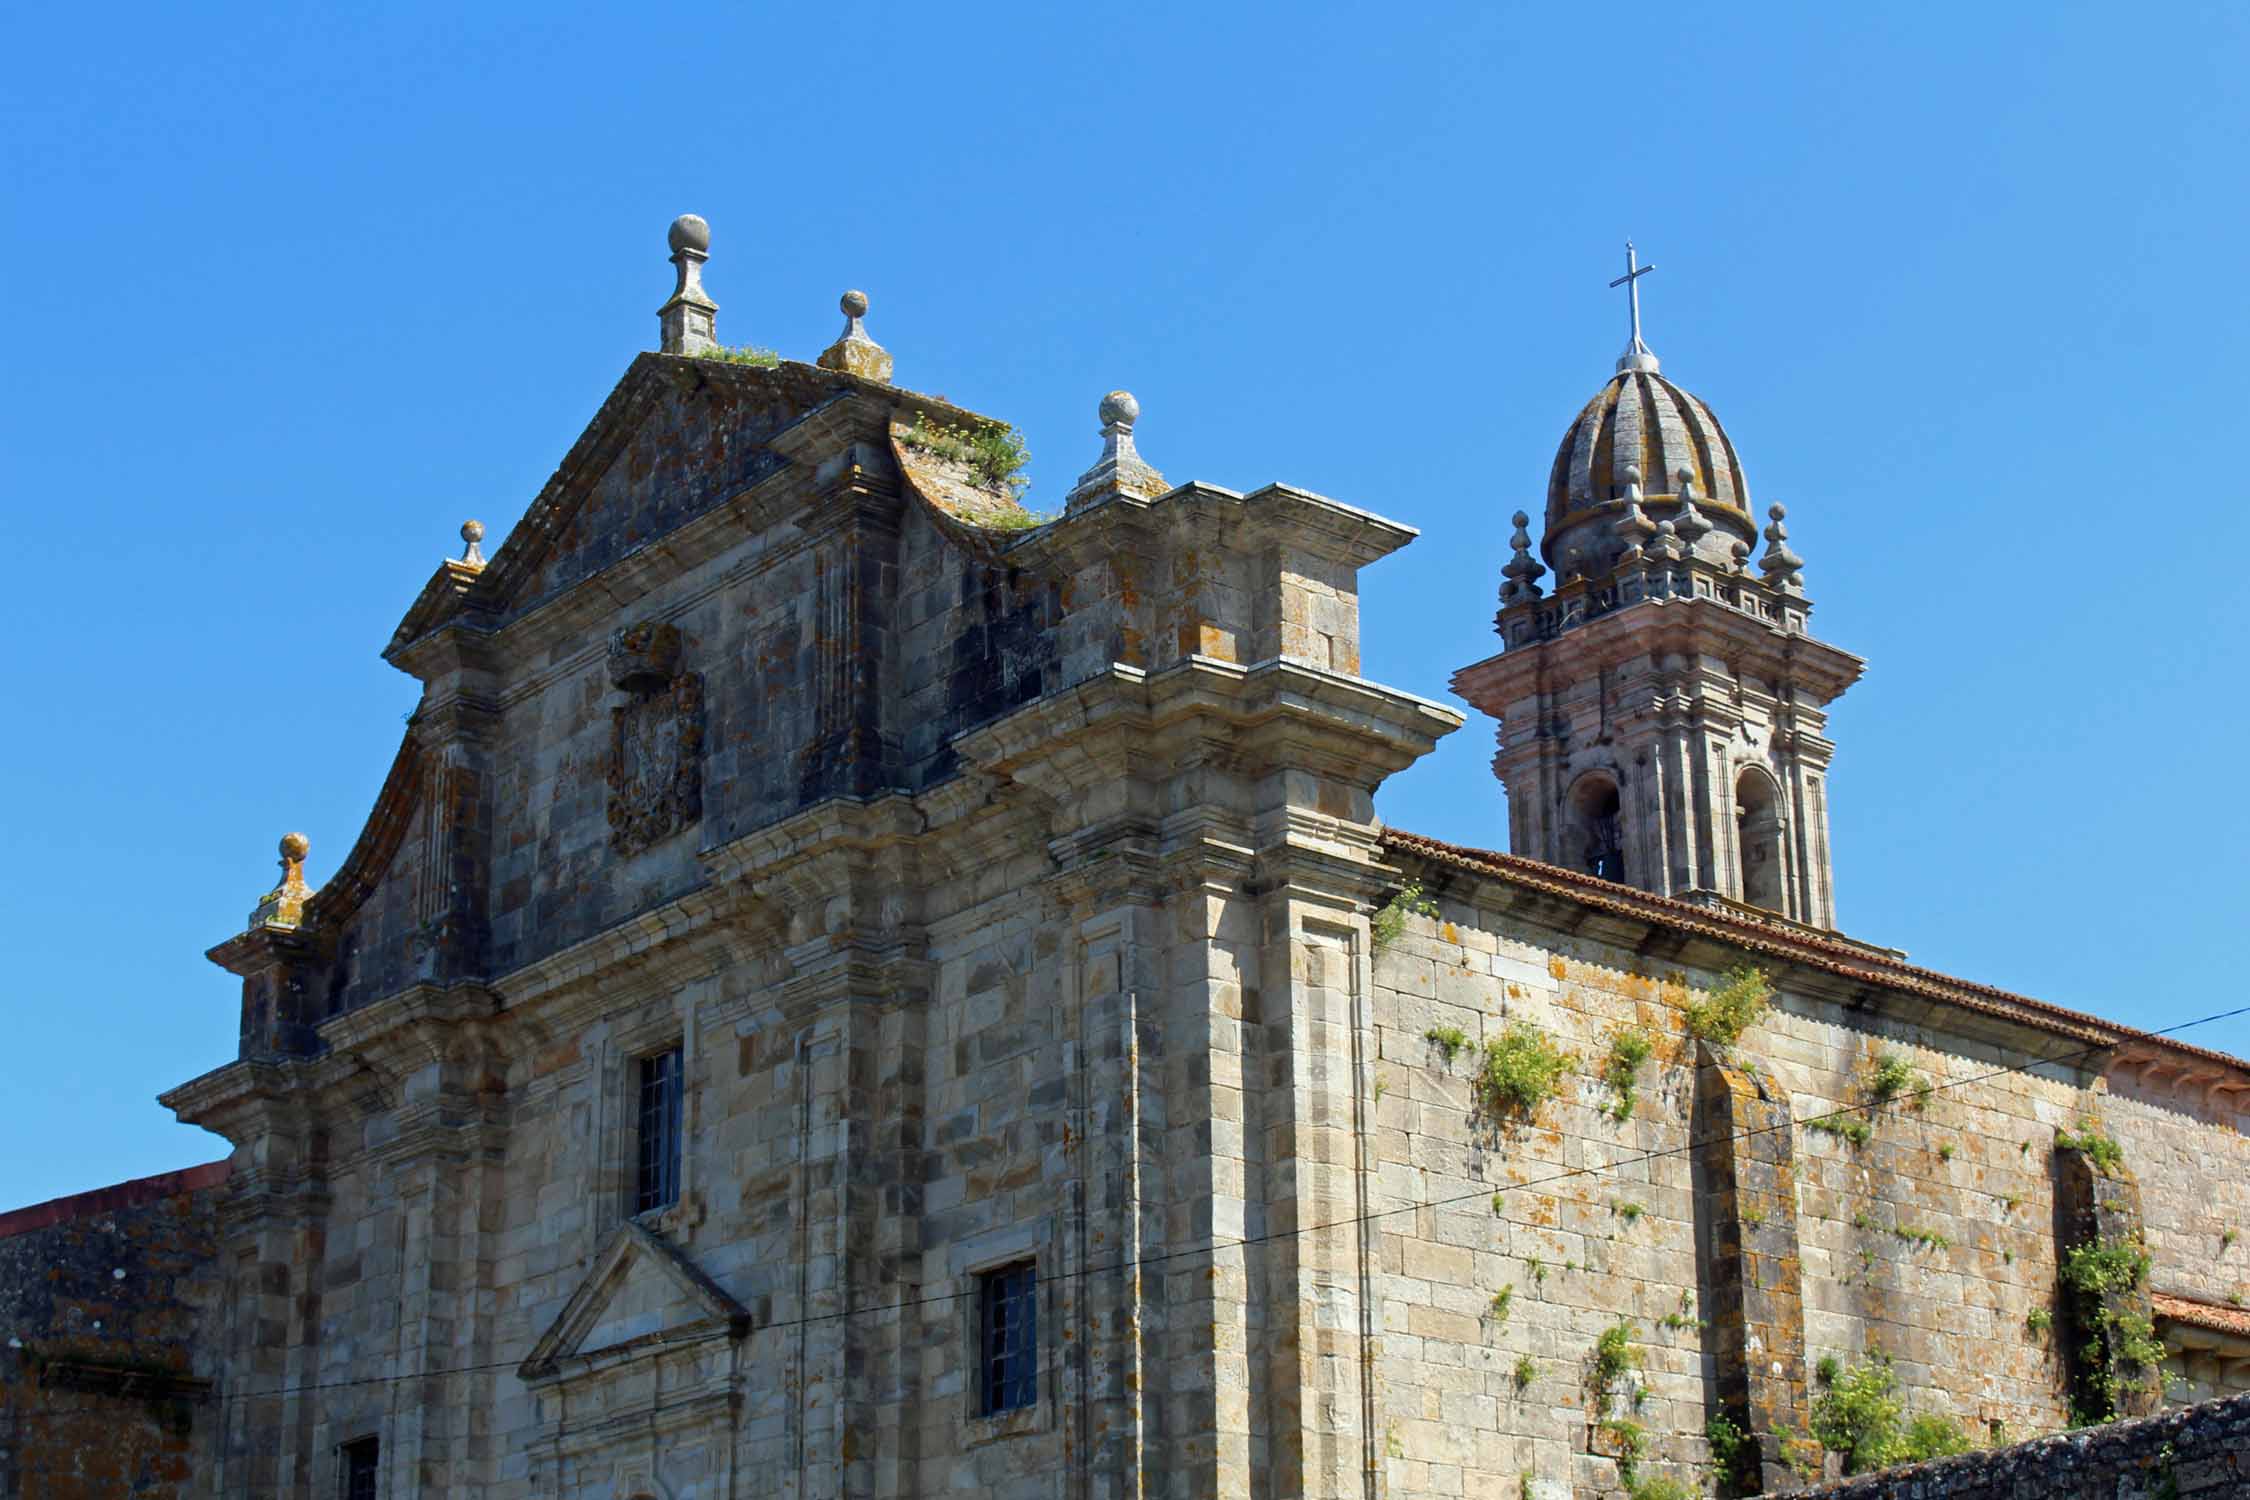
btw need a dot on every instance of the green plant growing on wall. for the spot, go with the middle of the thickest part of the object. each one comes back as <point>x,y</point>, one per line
<point>1928,1238</point>
<point>1754,1217</point>
<point>1733,1453</point>
<point>1496,1203</point>
<point>1862,1418</point>
<point>747,354</point>
<point>1522,1070</point>
<point>1502,1300</point>
<point>994,451</point>
<point>1613,1356</point>
<point>2011,1201</point>
<point>1945,1151</point>
<point>1631,1441</point>
<point>2111,1340</point>
<point>2102,1150</point>
<point>1382,1084</point>
<point>1527,1370</point>
<point>1829,1368</point>
<point>1661,1487</point>
<point>1389,921</point>
<point>1537,1268</point>
<point>1845,1125</point>
<point>1448,1040</point>
<point>1683,1316</point>
<point>1524,1491</point>
<point>1629,1047</point>
<point>1726,1012</point>
<point>2227,1237</point>
<point>1629,1211</point>
<point>1893,1076</point>
<point>2039,1320</point>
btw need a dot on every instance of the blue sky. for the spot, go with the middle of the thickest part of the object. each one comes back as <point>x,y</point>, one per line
<point>290,293</point>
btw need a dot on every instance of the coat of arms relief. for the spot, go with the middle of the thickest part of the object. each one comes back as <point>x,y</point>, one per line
<point>655,738</point>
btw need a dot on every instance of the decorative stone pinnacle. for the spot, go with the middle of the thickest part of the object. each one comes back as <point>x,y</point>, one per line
<point>1667,543</point>
<point>1633,528</point>
<point>1780,565</point>
<point>689,321</point>
<point>1742,557</point>
<point>472,532</point>
<point>1521,573</point>
<point>1120,470</point>
<point>284,905</point>
<point>854,352</point>
<point>1690,523</point>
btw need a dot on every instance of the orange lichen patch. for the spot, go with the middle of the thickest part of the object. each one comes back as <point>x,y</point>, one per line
<point>1452,934</point>
<point>1556,968</point>
<point>563,1054</point>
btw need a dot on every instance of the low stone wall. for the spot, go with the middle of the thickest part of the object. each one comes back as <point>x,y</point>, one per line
<point>2197,1451</point>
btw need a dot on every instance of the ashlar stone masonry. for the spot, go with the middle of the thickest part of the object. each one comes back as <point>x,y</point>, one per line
<point>985,901</point>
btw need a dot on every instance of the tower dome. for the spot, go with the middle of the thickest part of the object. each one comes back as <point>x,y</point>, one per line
<point>1642,426</point>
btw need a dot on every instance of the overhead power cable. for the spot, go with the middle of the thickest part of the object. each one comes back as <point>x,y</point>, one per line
<point>1904,1098</point>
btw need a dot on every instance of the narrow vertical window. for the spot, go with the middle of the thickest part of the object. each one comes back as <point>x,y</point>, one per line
<point>1008,1318</point>
<point>362,1456</point>
<point>658,1182</point>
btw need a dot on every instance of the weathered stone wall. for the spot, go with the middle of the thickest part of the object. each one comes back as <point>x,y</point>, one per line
<point>105,1369</point>
<point>1933,1242</point>
<point>2199,1453</point>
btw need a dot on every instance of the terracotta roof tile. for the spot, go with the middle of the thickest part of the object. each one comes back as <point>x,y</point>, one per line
<point>2212,1315</point>
<point>1787,940</point>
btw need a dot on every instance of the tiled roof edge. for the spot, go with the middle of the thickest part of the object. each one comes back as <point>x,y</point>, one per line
<point>1837,954</point>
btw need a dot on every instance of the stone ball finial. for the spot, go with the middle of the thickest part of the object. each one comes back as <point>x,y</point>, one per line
<point>1119,409</point>
<point>295,846</point>
<point>1632,473</point>
<point>1521,520</point>
<point>689,232</point>
<point>854,304</point>
<point>472,532</point>
<point>1777,512</point>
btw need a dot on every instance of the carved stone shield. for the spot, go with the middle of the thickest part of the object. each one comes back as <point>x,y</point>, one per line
<point>655,739</point>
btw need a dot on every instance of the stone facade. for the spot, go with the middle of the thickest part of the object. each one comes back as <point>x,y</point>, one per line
<point>1011,890</point>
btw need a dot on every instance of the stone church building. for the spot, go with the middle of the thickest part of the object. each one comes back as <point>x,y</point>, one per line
<point>852,988</point>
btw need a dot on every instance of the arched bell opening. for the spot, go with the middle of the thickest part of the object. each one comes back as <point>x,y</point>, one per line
<point>1757,812</point>
<point>1596,844</point>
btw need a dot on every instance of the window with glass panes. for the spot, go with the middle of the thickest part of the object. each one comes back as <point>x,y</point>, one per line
<point>657,1184</point>
<point>1008,1338</point>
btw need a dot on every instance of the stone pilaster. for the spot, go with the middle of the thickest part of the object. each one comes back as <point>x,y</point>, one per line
<point>1753,1282</point>
<point>2098,1209</point>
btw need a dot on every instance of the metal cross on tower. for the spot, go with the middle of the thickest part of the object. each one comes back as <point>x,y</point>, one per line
<point>1637,355</point>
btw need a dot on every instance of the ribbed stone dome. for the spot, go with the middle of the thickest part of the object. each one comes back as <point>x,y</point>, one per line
<point>1642,421</point>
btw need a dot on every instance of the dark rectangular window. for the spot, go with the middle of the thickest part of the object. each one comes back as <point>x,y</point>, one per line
<point>361,1458</point>
<point>1008,1337</point>
<point>658,1183</point>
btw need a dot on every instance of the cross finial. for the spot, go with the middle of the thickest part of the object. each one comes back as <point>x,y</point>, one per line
<point>1637,355</point>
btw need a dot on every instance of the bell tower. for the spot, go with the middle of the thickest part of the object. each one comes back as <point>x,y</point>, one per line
<point>1663,711</point>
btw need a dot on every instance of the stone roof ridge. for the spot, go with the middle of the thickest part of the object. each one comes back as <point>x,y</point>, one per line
<point>1832,951</point>
<point>456,589</point>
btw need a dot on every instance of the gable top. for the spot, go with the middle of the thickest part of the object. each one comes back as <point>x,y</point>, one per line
<point>630,1245</point>
<point>485,596</point>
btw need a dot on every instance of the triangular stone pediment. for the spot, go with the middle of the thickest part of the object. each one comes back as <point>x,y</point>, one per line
<point>640,1295</point>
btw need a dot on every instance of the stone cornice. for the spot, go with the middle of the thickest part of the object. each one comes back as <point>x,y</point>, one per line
<point>1689,627</point>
